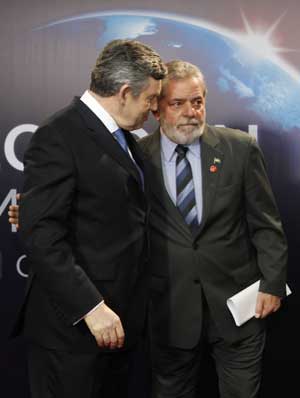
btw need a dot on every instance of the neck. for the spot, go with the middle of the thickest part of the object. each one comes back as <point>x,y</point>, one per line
<point>113,106</point>
<point>108,103</point>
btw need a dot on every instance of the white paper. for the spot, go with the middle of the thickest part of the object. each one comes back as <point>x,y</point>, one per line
<point>242,305</point>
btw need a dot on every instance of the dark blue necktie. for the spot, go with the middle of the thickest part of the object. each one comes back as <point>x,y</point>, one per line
<point>185,201</point>
<point>121,138</point>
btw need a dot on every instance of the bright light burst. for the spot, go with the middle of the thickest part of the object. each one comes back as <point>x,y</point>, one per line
<point>262,43</point>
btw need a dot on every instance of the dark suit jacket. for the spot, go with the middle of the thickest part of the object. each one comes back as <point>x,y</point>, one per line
<point>239,241</point>
<point>83,221</point>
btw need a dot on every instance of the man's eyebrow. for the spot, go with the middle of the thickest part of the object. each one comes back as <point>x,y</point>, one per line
<point>197,97</point>
<point>186,99</point>
<point>178,99</point>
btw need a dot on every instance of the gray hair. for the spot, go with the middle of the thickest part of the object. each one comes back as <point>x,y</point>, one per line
<point>178,70</point>
<point>125,62</point>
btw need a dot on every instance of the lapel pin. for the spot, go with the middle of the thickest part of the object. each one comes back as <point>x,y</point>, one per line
<point>217,160</point>
<point>213,168</point>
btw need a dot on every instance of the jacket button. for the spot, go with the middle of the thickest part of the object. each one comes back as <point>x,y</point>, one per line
<point>195,246</point>
<point>197,281</point>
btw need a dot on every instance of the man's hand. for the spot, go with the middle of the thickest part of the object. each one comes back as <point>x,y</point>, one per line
<point>106,327</point>
<point>13,213</point>
<point>266,304</point>
<point>103,323</point>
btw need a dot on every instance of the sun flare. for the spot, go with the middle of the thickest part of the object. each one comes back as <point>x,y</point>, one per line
<point>262,43</point>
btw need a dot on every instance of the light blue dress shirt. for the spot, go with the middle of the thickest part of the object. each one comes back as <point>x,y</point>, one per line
<point>168,160</point>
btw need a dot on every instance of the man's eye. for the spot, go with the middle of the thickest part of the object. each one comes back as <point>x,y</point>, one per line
<point>197,104</point>
<point>176,104</point>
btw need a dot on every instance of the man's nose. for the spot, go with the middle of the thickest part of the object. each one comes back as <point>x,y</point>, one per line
<point>189,109</point>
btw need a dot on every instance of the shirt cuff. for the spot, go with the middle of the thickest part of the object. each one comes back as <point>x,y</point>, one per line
<point>92,310</point>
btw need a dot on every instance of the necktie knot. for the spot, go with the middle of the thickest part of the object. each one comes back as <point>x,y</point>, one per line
<point>181,151</point>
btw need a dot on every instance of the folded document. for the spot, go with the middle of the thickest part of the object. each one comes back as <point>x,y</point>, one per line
<point>242,305</point>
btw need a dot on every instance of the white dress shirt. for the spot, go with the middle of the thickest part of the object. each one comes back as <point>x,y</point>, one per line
<point>102,114</point>
<point>99,111</point>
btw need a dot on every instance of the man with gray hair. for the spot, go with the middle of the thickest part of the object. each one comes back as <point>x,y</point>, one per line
<point>83,222</point>
<point>215,229</point>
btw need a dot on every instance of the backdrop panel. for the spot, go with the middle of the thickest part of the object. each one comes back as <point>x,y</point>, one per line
<point>47,52</point>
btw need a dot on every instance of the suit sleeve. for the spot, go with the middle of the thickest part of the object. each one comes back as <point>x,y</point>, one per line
<point>264,224</point>
<point>49,192</point>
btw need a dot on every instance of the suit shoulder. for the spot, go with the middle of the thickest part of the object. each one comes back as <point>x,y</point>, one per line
<point>145,142</point>
<point>61,123</point>
<point>226,133</point>
<point>63,117</point>
<point>233,138</point>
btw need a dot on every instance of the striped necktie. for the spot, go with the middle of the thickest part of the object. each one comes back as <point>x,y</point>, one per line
<point>185,201</point>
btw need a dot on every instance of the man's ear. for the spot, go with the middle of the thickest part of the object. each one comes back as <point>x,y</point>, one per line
<point>124,92</point>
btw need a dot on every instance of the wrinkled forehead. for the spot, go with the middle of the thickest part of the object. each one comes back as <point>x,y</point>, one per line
<point>186,88</point>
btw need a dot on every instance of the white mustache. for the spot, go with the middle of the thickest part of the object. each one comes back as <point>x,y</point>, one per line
<point>189,122</point>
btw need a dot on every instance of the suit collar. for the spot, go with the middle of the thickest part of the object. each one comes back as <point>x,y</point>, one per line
<point>153,148</point>
<point>211,163</point>
<point>209,137</point>
<point>91,102</point>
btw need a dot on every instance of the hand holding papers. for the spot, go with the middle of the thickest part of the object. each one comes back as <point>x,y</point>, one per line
<point>242,305</point>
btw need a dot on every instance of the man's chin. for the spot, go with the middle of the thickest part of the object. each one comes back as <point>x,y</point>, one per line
<point>183,139</point>
<point>188,137</point>
<point>135,126</point>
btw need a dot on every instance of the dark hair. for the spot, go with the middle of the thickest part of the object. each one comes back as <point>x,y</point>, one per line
<point>125,62</point>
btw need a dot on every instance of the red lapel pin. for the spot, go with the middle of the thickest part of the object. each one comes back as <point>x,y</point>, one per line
<point>213,168</point>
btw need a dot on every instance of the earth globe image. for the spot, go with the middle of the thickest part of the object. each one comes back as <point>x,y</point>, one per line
<point>246,89</point>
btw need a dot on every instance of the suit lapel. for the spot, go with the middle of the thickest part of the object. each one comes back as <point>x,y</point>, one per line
<point>138,157</point>
<point>105,141</point>
<point>211,163</point>
<point>157,181</point>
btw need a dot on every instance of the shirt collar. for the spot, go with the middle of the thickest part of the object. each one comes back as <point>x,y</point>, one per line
<point>168,148</point>
<point>99,111</point>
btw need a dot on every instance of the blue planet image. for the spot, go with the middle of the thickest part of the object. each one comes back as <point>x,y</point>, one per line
<point>245,90</point>
<point>237,70</point>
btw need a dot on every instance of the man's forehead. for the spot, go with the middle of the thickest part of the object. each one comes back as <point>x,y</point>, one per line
<point>185,88</point>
